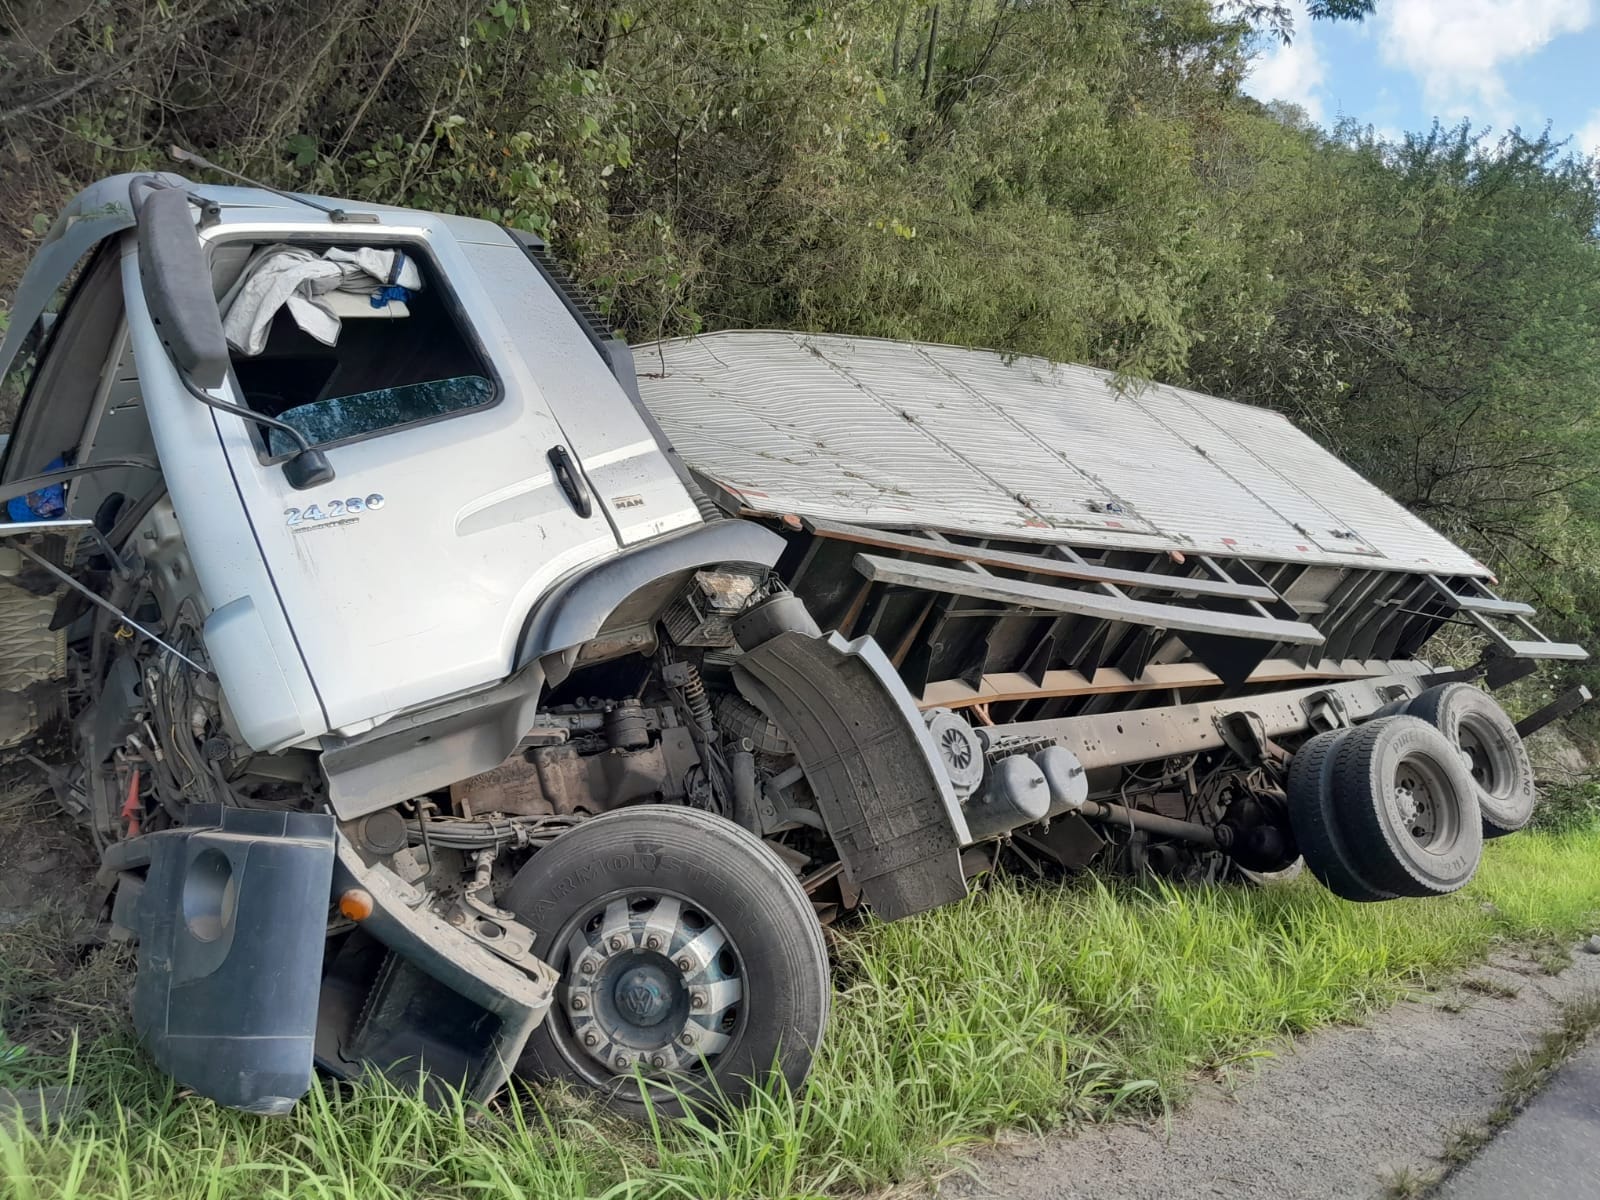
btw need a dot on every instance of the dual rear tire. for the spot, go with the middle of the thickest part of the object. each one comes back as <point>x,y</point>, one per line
<point>1488,742</point>
<point>1401,805</point>
<point>1385,810</point>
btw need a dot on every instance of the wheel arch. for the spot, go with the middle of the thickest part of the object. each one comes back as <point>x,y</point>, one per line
<point>631,588</point>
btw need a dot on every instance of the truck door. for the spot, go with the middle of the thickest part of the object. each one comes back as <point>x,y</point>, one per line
<point>457,498</point>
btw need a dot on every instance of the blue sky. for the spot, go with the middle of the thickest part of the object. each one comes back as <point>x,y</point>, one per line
<point>1497,63</point>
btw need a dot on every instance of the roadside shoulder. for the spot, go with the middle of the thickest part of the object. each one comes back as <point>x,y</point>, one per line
<point>1335,1113</point>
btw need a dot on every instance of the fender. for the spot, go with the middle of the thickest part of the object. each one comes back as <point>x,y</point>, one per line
<point>871,762</point>
<point>578,607</point>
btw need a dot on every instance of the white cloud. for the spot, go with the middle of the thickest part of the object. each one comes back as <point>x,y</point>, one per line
<point>1587,139</point>
<point>1295,72</point>
<point>1456,48</point>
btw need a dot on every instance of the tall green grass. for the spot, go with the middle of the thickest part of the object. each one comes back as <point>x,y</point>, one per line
<point>1023,1006</point>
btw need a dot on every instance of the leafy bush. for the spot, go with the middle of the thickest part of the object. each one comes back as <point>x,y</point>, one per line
<point>1569,805</point>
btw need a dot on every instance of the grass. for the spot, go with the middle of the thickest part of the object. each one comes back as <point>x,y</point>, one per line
<point>1407,1183</point>
<point>1022,1007</point>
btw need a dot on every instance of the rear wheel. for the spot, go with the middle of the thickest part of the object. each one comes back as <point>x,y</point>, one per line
<point>690,958</point>
<point>1488,740</point>
<point>1406,807</point>
<point>1312,818</point>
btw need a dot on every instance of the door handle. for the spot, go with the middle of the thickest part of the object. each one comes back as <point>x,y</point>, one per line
<point>566,472</point>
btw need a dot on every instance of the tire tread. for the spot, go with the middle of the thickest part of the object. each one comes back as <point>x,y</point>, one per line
<point>1357,806</point>
<point>1312,819</point>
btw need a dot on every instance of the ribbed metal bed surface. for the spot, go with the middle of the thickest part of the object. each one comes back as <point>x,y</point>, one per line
<point>971,441</point>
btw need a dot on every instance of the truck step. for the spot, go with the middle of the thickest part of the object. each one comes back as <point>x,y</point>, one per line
<point>1564,651</point>
<point>1488,604</point>
<point>1483,608</point>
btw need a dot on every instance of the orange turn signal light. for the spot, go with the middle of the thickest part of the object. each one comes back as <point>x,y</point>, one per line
<point>356,904</point>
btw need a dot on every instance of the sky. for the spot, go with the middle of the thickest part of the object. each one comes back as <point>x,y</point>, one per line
<point>1496,63</point>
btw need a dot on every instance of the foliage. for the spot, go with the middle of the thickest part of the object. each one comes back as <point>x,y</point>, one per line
<point>1081,179</point>
<point>1024,1006</point>
<point>1568,805</point>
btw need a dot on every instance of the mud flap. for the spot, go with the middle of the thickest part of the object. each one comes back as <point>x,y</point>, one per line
<point>231,922</point>
<point>869,759</point>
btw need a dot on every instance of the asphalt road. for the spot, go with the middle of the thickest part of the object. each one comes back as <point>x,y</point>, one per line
<point>1551,1149</point>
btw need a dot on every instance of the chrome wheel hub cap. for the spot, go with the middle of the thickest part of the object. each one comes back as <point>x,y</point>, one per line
<point>652,984</point>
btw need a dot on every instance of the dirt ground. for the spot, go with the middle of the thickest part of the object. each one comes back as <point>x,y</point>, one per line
<point>1337,1114</point>
<point>45,860</point>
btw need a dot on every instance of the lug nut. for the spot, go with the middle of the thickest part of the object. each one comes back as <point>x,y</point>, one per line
<point>685,964</point>
<point>697,1001</point>
<point>622,1062</point>
<point>591,1039</point>
<point>687,1039</point>
<point>588,966</point>
<point>616,943</point>
<point>658,1060</point>
<point>579,1004</point>
<point>652,942</point>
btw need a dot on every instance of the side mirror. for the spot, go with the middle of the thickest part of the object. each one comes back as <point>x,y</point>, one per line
<point>177,287</point>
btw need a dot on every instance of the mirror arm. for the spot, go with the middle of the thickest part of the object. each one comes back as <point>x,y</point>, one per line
<point>29,484</point>
<point>249,414</point>
<point>308,468</point>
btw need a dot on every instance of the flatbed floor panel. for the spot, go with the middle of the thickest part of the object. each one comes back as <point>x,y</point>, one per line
<point>894,434</point>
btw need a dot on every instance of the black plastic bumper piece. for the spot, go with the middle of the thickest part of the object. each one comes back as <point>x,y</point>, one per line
<point>418,1000</point>
<point>231,922</point>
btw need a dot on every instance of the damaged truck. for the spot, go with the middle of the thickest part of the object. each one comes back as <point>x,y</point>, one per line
<point>454,693</point>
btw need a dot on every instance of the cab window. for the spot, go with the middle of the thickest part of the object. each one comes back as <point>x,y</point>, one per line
<point>347,342</point>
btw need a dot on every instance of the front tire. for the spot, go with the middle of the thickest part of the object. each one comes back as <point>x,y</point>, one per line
<point>689,955</point>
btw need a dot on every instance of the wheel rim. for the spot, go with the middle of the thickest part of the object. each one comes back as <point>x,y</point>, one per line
<point>1484,748</point>
<point>651,984</point>
<point>1422,800</point>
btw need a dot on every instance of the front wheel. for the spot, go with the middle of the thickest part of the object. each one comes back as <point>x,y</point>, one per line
<point>690,958</point>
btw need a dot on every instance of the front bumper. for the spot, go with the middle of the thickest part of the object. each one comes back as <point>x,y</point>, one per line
<point>421,999</point>
<point>241,991</point>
